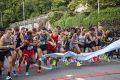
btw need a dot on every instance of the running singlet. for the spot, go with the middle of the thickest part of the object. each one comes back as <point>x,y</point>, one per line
<point>7,41</point>
<point>43,39</point>
<point>18,41</point>
<point>81,39</point>
<point>5,51</point>
<point>28,48</point>
<point>55,38</point>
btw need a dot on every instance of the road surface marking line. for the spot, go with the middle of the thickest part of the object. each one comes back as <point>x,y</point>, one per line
<point>88,75</point>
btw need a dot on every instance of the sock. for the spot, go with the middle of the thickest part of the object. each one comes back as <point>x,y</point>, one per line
<point>39,67</point>
<point>0,72</point>
<point>39,64</point>
<point>27,66</point>
<point>14,69</point>
<point>8,73</point>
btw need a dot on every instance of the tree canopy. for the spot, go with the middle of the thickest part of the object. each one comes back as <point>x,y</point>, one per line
<point>12,10</point>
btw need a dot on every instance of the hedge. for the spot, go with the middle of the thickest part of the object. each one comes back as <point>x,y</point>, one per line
<point>106,15</point>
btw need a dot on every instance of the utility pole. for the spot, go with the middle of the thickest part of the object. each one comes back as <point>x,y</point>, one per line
<point>23,4</point>
<point>98,1</point>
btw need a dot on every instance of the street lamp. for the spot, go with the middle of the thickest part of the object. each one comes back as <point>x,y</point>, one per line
<point>1,19</point>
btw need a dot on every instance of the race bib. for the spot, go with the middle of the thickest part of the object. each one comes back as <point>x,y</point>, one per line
<point>29,47</point>
<point>42,43</point>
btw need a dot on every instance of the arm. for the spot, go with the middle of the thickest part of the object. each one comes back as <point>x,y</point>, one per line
<point>103,34</point>
<point>22,39</point>
<point>74,39</point>
<point>1,44</point>
<point>52,42</point>
<point>91,38</point>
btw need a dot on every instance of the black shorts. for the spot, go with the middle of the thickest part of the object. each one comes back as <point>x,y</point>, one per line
<point>90,45</point>
<point>22,48</point>
<point>51,51</point>
<point>81,46</point>
<point>4,53</point>
<point>35,49</point>
<point>99,43</point>
<point>43,47</point>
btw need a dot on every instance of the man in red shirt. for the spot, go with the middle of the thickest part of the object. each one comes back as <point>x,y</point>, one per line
<point>53,46</point>
<point>53,42</point>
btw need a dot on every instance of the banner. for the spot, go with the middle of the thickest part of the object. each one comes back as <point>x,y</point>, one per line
<point>84,56</point>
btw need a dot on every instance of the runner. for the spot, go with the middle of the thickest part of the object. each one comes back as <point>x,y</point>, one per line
<point>53,47</point>
<point>100,36</point>
<point>28,52</point>
<point>6,46</point>
<point>42,46</point>
<point>61,44</point>
<point>19,45</point>
<point>82,40</point>
<point>90,40</point>
<point>75,42</point>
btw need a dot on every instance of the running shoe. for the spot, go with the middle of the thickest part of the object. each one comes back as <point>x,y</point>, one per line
<point>78,63</point>
<point>71,60</point>
<point>19,68</point>
<point>110,57</point>
<point>23,62</point>
<point>27,73</point>
<point>14,72</point>
<point>90,61</point>
<point>31,65</point>
<point>54,62</point>
<point>106,58</point>
<point>8,78</point>
<point>50,67</point>
<point>48,61</point>
<point>98,60</point>
<point>54,67</point>
<point>95,59</point>
<point>45,62</point>
<point>40,59</point>
<point>17,62</point>
<point>39,70</point>
<point>66,62</point>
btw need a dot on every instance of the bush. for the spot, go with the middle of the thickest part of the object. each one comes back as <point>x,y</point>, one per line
<point>107,16</point>
<point>53,17</point>
<point>61,22</point>
<point>70,21</point>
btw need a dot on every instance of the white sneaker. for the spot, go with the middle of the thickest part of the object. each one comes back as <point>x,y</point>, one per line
<point>8,78</point>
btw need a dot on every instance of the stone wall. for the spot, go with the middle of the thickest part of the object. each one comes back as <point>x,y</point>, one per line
<point>41,21</point>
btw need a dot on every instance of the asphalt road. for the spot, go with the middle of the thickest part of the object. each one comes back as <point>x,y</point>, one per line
<point>88,71</point>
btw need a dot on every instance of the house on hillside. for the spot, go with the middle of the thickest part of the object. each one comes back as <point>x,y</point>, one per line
<point>81,7</point>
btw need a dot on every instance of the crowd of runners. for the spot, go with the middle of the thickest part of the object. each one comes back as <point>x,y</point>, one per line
<point>27,46</point>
